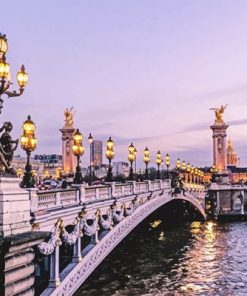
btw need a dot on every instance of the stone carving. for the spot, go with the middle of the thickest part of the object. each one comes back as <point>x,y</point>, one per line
<point>71,238</point>
<point>7,148</point>
<point>105,220</point>
<point>118,215</point>
<point>219,113</point>
<point>128,211</point>
<point>219,145</point>
<point>47,248</point>
<point>69,117</point>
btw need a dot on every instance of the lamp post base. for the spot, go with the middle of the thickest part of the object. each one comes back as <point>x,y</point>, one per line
<point>78,179</point>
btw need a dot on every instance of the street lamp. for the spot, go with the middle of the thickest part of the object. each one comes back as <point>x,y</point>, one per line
<point>158,162</point>
<point>90,140</point>
<point>188,172</point>
<point>78,151</point>
<point>146,160</point>
<point>135,159</point>
<point>28,143</point>
<point>5,77</point>
<point>109,155</point>
<point>131,158</point>
<point>192,170</point>
<point>183,166</point>
<point>196,174</point>
<point>178,164</point>
<point>168,162</point>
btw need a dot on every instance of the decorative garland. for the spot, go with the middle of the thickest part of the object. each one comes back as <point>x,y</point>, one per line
<point>47,248</point>
<point>105,221</point>
<point>84,226</point>
<point>71,238</point>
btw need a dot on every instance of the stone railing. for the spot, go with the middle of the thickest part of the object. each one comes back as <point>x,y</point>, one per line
<point>49,199</point>
<point>97,192</point>
<point>141,187</point>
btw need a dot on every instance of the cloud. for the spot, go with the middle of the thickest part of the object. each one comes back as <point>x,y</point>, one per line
<point>236,90</point>
<point>126,141</point>
<point>205,126</point>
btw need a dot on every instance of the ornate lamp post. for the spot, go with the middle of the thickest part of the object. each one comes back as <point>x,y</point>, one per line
<point>202,177</point>
<point>78,151</point>
<point>168,162</point>
<point>135,159</point>
<point>178,164</point>
<point>28,143</point>
<point>183,167</point>
<point>188,171</point>
<point>109,155</point>
<point>192,171</point>
<point>196,174</point>
<point>158,162</point>
<point>5,79</point>
<point>90,140</point>
<point>131,158</point>
<point>146,160</point>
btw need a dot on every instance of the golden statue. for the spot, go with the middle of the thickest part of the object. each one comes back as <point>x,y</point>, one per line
<point>69,117</point>
<point>219,113</point>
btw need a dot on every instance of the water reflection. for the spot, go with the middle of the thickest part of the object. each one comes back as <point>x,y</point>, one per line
<point>194,259</point>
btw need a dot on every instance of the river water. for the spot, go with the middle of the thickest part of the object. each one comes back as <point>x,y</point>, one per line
<point>195,258</point>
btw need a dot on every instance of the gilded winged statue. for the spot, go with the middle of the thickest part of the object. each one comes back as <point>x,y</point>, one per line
<point>69,117</point>
<point>219,112</point>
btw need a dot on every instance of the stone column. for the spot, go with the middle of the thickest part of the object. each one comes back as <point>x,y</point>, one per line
<point>14,207</point>
<point>68,158</point>
<point>219,145</point>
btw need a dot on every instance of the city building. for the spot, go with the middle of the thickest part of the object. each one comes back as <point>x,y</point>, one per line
<point>19,164</point>
<point>120,168</point>
<point>97,153</point>
<point>48,158</point>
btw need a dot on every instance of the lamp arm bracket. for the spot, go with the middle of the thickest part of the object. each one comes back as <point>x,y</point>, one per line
<point>14,93</point>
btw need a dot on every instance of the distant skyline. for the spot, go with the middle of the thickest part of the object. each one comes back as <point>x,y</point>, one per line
<point>145,72</point>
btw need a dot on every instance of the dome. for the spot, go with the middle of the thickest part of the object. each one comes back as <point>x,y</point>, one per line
<point>231,155</point>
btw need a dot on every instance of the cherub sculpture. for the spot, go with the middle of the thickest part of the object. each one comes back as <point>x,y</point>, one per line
<point>7,148</point>
<point>219,113</point>
<point>69,117</point>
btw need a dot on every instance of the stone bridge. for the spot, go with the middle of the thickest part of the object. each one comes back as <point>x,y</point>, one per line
<point>102,216</point>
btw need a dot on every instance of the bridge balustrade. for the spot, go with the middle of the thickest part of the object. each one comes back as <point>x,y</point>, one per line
<point>141,187</point>
<point>123,189</point>
<point>97,192</point>
<point>48,199</point>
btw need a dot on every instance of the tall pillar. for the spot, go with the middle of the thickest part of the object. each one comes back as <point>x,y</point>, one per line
<point>219,140</point>
<point>68,158</point>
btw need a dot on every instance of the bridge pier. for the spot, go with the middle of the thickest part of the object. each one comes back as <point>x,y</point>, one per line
<point>226,201</point>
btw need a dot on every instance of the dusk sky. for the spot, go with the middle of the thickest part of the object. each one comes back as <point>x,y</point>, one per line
<point>143,71</point>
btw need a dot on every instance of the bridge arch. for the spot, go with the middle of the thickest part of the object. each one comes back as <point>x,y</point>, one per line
<point>73,275</point>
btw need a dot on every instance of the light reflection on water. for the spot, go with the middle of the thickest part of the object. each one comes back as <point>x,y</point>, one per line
<point>194,259</point>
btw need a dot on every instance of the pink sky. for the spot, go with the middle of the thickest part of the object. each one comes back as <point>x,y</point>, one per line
<point>142,71</point>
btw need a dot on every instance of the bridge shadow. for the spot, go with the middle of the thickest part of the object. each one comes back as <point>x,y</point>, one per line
<point>154,246</point>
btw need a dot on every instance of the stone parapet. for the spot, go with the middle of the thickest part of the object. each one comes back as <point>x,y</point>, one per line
<point>14,207</point>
